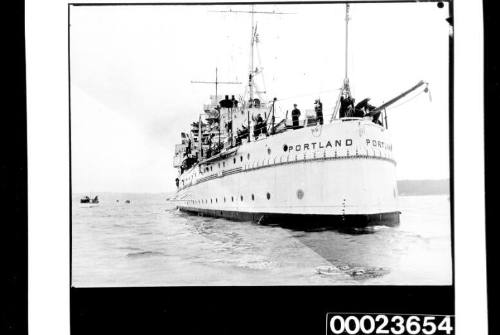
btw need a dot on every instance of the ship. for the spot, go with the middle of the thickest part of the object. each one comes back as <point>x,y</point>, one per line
<point>88,200</point>
<point>240,162</point>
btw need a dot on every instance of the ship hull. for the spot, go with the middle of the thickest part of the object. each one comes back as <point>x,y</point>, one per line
<point>300,220</point>
<point>341,173</point>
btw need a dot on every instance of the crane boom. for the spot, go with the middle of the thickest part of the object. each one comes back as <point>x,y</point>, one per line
<point>390,102</point>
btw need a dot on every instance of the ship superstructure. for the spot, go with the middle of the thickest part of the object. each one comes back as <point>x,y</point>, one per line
<point>239,162</point>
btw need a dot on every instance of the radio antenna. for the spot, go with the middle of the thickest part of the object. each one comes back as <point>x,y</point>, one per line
<point>253,40</point>
<point>216,82</point>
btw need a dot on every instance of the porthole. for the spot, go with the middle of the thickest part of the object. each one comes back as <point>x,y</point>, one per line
<point>300,194</point>
<point>224,199</point>
<point>241,197</point>
<point>285,147</point>
<point>248,156</point>
<point>210,168</point>
<point>210,200</point>
<point>232,199</point>
<point>216,200</point>
<point>234,160</point>
<point>253,197</point>
<point>241,158</point>
<point>268,195</point>
<point>223,164</point>
<point>268,151</point>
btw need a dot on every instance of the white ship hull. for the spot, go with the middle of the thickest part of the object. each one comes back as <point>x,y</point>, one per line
<point>337,173</point>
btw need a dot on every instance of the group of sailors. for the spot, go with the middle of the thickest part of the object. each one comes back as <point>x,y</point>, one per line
<point>318,109</point>
<point>260,128</point>
<point>361,109</point>
<point>347,109</point>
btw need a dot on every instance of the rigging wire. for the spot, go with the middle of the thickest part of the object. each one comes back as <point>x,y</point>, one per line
<point>261,72</point>
<point>307,95</point>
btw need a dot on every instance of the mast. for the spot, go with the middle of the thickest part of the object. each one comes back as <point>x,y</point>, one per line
<point>253,41</point>
<point>346,89</point>
<point>252,44</point>
<point>216,82</point>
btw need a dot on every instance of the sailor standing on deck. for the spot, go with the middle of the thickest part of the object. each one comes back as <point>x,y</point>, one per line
<point>346,106</point>
<point>260,126</point>
<point>318,108</point>
<point>295,116</point>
